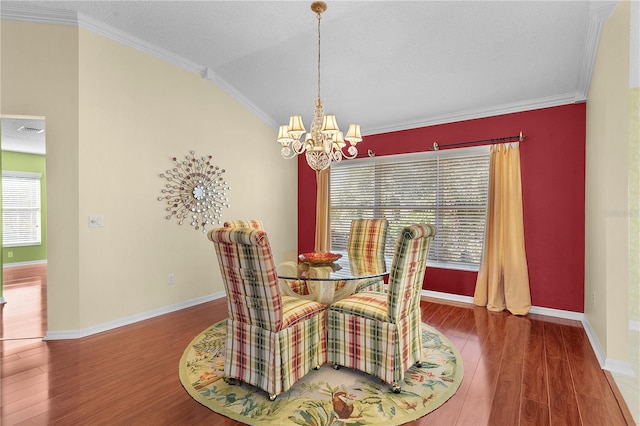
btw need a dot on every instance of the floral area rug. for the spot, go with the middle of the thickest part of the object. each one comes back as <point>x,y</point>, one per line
<point>325,396</point>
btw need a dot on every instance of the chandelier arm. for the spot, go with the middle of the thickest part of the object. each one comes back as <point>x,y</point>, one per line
<point>349,157</point>
<point>288,154</point>
<point>298,147</point>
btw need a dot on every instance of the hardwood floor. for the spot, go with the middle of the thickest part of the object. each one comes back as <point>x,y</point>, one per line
<point>25,313</point>
<point>530,370</point>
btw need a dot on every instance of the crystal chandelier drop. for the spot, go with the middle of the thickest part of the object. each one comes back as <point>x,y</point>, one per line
<point>325,143</point>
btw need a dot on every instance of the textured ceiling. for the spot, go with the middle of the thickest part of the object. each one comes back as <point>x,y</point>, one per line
<point>388,65</point>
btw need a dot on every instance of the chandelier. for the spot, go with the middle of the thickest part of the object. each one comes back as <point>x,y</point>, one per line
<point>325,143</point>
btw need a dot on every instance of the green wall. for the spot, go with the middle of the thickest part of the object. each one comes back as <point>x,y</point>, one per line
<point>21,162</point>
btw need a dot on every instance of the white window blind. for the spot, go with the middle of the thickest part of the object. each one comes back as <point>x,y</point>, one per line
<point>445,188</point>
<point>20,209</point>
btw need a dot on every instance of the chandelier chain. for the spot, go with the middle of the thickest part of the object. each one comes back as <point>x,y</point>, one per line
<point>319,17</point>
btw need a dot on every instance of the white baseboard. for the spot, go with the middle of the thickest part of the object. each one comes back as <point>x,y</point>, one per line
<point>595,343</point>
<point>447,296</point>
<point>613,365</point>
<point>77,334</point>
<point>619,367</point>
<point>557,313</point>
<point>27,263</point>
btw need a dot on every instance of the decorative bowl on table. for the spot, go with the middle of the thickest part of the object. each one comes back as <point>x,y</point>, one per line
<point>319,258</point>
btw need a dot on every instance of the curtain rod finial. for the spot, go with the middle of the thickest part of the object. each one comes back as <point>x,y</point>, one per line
<point>435,146</point>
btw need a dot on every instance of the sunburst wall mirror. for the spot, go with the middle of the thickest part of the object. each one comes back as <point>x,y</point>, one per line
<point>195,191</point>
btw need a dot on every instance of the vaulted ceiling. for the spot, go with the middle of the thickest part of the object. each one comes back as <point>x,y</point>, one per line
<point>388,65</point>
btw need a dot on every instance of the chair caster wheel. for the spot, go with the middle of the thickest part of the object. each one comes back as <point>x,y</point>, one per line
<point>419,364</point>
<point>395,388</point>
<point>272,397</point>
<point>317,367</point>
<point>336,367</point>
<point>230,381</point>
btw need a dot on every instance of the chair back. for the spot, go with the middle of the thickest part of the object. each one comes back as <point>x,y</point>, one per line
<point>366,245</point>
<point>249,276</point>
<point>407,269</point>
<point>250,223</point>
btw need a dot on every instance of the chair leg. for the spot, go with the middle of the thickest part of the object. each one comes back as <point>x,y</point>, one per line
<point>418,364</point>
<point>272,397</point>
<point>336,367</point>
<point>231,381</point>
<point>395,388</point>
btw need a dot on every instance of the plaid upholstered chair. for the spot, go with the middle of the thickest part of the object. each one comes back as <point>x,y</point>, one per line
<point>250,223</point>
<point>297,286</point>
<point>272,340</point>
<point>365,247</point>
<point>379,333</point>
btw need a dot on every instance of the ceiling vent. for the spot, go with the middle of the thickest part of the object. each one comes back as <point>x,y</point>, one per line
<point>30,129</point>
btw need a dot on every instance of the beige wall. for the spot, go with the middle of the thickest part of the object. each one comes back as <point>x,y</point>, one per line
<point>630,386</point>
<point>40,77</point>
<point>607,219</point>
<point>634,163</point>
<point>1,269</point>
<point>121,117</point>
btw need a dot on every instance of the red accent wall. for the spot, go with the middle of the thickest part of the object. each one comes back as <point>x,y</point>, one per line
<point>553,187</point>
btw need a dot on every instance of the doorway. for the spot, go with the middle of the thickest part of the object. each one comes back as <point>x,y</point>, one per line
<point>23,288</point>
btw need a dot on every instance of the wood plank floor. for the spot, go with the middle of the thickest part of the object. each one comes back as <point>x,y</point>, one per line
<point>25,313</point>
<point>530,370</point>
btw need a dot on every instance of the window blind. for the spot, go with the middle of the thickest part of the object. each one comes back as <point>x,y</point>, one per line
<point>448,189</point>
<point>20,209</point>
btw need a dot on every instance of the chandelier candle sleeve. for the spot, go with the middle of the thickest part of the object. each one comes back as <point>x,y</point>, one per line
<point>325,142</point>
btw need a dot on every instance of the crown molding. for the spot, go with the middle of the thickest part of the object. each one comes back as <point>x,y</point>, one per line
<point>43,16</point>
<point>528,105</point>
<point>151,49</point>
<point>50,16</point>
<point>210,75</point>
<point>599,12</point>
<point>100,28</point>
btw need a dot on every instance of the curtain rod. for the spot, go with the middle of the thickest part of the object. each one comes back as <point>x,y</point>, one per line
<point>516,138</point>
<point>369,153</point>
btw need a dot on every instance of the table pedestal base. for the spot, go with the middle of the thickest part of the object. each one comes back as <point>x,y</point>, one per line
<point>319,290</point>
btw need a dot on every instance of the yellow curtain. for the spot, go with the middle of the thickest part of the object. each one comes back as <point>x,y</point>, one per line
<point>503,279</point>
<point>323,225</point>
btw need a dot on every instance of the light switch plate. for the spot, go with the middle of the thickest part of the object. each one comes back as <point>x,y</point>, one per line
<point>96,221</point>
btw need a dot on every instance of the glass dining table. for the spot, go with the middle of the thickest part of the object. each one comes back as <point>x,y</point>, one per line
<point>326,282</point>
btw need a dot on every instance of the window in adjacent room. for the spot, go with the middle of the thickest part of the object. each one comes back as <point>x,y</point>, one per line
<point>21,209</point>
<point>446,188</point>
